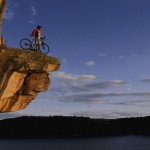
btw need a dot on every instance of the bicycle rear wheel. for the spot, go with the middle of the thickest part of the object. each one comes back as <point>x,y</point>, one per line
<point>44,48</point>
<point>25,44</point>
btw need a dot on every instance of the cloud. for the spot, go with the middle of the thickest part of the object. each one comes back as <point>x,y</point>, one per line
<point>109,114</point>
<point>9,15</point>
<point>113,57</point>
<point>102,54</point>
<point>33,11</point>
<point>10,10</point>
<point>64,82</point>
<point>105,85</point>
<point>86,88</point>
<point>10,115</point>
<point>135,55</point>
<point>98,97</point>
<point>129,102</point>
<point>84,98</point>
<point>31,22</point>
<point>69,83</point>
<point>90,63</point>
<point>145,80</point>
<point>64,60</point>
<point>71,77</point>
<point>97,86</point>
<point>121,57</point>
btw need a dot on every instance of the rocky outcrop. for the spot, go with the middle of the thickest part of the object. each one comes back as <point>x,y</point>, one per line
<point>23,74</point>
<point>2,10</point>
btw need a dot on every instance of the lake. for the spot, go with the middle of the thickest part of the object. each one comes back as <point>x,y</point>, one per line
<point>97,143</point>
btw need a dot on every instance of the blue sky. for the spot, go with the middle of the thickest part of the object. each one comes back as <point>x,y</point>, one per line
<point>104,49</point>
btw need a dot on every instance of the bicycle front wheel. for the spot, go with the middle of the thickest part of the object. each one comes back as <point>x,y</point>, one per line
<point>25,44</point>
<point>44,48</point>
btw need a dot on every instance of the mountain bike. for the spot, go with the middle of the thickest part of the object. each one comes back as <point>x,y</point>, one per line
<point>27,44</point>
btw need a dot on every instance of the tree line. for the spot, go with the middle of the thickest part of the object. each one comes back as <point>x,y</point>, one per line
<point>61,126</point>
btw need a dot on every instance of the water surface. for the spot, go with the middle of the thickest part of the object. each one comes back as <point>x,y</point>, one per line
<point>98,143</point>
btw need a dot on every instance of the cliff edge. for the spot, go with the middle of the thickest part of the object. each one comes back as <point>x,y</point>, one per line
<point>23,74</point>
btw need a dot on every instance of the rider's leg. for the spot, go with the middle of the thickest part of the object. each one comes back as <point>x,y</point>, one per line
<point>37,47</point>
<point>38,43</point>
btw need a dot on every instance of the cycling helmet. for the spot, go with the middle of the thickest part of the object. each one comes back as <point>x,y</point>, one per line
<point>39,27</point>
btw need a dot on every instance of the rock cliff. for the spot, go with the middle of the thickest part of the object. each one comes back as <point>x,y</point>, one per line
<point>2,10</point>
<point>23,74</point>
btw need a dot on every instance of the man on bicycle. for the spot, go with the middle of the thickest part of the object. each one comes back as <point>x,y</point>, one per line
<point>38,36</point>
<point>36,42</point>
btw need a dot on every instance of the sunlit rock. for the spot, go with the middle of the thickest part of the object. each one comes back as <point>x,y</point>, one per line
<point>23,74</point>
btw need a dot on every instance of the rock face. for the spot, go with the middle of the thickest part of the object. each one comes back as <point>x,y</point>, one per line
<point>2,10</point>
<point>23,74</point>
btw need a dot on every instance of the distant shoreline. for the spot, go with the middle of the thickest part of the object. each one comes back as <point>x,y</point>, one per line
<point>71,127</point>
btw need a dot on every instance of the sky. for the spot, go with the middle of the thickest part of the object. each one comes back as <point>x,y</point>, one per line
<point>104,50</point>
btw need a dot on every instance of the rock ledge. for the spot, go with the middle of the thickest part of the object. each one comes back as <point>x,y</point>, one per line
<point>23,74</point>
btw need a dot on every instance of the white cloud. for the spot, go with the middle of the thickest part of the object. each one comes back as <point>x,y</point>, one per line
<point>33,13</point>
<point>109,114</point>
<point>9,14</point>
<point>64,60</point>
<point>10,10</point>
<point>11,115</point>
<point>87,89</point>
<point>71,77</point>
<point>102,54</point>
<point>121,57</point>
<point>66,83</point>
<point>31,22</point>
<point>70,83</point>
<point>109,56</point>
<point>135,55</point>
<point>90,63</point>
<point>145,80</point>
<point>33,10</point>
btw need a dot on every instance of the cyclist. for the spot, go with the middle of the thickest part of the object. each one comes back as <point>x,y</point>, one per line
<point>36,42</point>
<point>38,35</point>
